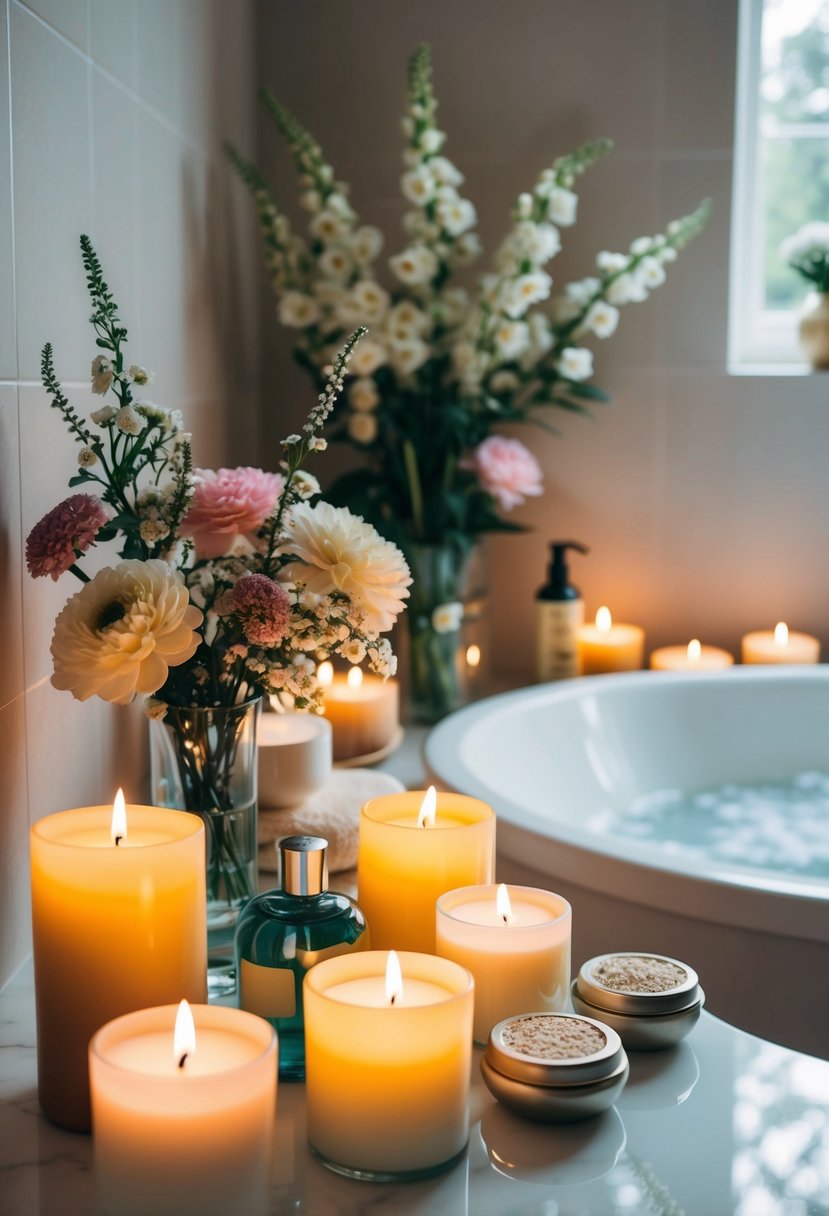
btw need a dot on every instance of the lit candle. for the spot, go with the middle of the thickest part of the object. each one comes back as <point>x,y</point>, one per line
<point>363,711</point>
<point>388,1062</point>
<point>118,920</point>
<point>780,646</point>
<point>605,647</point>
<point>516,943</point>
<point>413,848</point>
<point>693,657</point>
<point>295,755</point>
<point>183,1108</point>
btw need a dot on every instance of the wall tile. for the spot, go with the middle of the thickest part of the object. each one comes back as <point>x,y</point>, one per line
<point>11,550</point>
<point>66,16</point>
<point>15,924</point>
<point>113,29</point>
<point>51,197</point>
<point>699,104</point>
<point>8,337</point>
<point>159,76</point>
<point>115,182</point>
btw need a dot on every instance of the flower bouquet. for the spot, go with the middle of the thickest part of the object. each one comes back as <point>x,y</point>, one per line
<point>446,365</point>
<point>233,583</point>
<point>807,252</point>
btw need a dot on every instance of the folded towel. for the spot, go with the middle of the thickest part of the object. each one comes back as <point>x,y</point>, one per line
<point>333,812</point>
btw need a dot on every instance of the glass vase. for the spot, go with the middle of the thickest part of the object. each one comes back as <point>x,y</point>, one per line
<point>204,760</point>
<point>447,617</point>
<point>814,330</point>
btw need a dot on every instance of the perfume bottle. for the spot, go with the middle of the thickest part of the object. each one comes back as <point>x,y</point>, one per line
<point>282,933</point>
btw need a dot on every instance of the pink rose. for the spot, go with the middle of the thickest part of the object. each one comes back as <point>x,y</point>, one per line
<point>506,470</point>
<point>229,503</point>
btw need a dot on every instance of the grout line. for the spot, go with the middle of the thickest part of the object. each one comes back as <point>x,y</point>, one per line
<point>20,967</point>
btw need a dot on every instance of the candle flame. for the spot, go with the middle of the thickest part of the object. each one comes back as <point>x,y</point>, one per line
<point>473,656</point>
<point>325,674</point>
<point>394,978</point>
<point>502,904</point>
<point>355,677</point>
<point>694,650</point>
<point>781,635</point>
<point>428,808</point>
<point>184,1035</point>
<point>118,829</point>
<point>604,620</point>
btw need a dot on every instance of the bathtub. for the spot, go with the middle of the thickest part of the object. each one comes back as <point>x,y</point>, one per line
<point>569,767</point>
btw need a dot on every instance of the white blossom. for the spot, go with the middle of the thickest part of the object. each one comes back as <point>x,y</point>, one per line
<point>310,200</point>
<point>367,357</point>
<point>362,428</point>
<point>641,245</point>
<point>139,375</point>
<point>418,185</point>
<point>524,291</point>
<point>405,319</point>
<point>611,263</point>
<point>601,318</point>
<point>562,206</point>
<point>467,247</point>
<point>367,302</point>
<point>431,140</point>
<point>363,394</point>
<point>446,618</point>
<point>652,273</point>
<point>511,338</point>
<point>444,172</point>
<point>102,374</point>
<point>335,262</point>
<point>129,421</point>
<point>575,363</point>
<point>366,242</point>
<point>328,227</point>
<point>86,458</point>
<point>456,215</point>
<point>408,355</point>
<point>454,304</point>
<point>298,310</point>
<point>415,265</point>
<point>103,416</point>
<point>305,484</point>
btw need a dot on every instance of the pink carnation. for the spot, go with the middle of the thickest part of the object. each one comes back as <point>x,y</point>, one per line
<point>63,534</point>
<point>506,470</point>
<point>263,608</point>
<point>228,503</point>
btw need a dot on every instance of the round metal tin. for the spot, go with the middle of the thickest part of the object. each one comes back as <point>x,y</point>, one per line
<point>593,990</point>
<point>558,1071</point>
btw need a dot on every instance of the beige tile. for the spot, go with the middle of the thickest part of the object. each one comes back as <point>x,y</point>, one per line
<point>15,923</point>
<point>66,16</point>
<point>8,337</point>
<point>69,751</point>
<point>11,549</point>
<point>115,170</point>
<point>200,65</point>
<point>159,70</point>
<point>698,59</point>
<point>113,26</point>
<point>51,197</point>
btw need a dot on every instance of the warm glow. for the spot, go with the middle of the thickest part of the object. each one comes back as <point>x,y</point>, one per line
<point>694,651</point>
<point>118,830</point>
<point>473,656</point>
<point>325,674</point>
<point>394,978</point>
<point>781,635</point>
<point>184,1036</point>
<point>428,807</point>
<point>355,677</point>
<point>604,620</point>
<point>502,903</point>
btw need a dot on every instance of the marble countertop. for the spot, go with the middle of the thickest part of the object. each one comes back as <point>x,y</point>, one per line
<point>724,1123</point>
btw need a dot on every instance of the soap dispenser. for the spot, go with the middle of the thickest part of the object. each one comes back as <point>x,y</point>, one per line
<point>559,614</point>
<point>282,933</point>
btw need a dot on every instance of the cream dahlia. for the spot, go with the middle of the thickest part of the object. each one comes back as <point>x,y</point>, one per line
<point>337,551</point>
<point>122,632</point>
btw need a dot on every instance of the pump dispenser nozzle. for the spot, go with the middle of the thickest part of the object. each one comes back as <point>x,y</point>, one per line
<point>558,587</point>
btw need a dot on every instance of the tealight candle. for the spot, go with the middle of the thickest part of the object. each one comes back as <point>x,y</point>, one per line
<point>363,710</point>
<point>183,1107</point>
<point>295,754</point>
<point>414,847</point>
<point>516,943</point>
<point>388,1054</point>
<point>118,920</point>
<point>780,646</point>
<point>606,647</point>
<point>693,657</point>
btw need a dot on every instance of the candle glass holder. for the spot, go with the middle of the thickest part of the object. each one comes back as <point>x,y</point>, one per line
<point>204,759</point>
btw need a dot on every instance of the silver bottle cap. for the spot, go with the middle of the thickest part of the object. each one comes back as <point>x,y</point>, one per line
<point>304,864</point>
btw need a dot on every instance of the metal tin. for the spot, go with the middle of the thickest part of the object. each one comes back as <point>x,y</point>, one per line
<point>555,1089</point>
<point>645,1021</point>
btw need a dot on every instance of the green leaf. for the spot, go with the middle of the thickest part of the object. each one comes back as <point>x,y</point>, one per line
<point>589,391</point>
<point>80,478</point>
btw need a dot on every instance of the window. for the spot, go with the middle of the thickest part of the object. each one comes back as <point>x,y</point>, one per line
<point>781,172</point>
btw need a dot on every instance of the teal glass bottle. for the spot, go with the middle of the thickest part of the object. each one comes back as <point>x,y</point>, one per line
<point>282,933</point>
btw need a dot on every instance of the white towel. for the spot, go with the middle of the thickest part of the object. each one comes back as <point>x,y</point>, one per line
<point>333,812</point>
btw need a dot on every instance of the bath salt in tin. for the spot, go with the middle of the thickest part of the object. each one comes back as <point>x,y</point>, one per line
<point>650,1000</point>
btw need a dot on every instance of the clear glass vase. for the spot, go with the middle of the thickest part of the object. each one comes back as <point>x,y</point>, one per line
<point>447,618</point>
<point>204,760</point>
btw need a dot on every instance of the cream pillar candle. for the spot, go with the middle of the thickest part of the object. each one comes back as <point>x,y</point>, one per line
<point>388,1063</point>
<point>516,943</point>
<point>115,927</point>
<point>693,657</point>
<point>294,752</point>
<point>183,1128</point>
<point>606,647</point>
<point>780,646</point>
<point>413,847</point>
<point>363,710</point>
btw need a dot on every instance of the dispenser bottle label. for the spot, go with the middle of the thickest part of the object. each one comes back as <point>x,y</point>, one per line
<point>557,627</point>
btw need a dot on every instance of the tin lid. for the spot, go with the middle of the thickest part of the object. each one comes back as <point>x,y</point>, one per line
<point>304,864</point>
<point>633,982</point>
<point>554,1049</point>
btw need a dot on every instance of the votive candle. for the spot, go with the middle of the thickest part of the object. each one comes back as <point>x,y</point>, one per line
<point>780,645</point>
<point>606,647</point>
<point>693,657</point>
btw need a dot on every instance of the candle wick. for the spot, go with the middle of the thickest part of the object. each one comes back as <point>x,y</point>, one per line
<point>118,840</point>
<point>392,999</point>
<point>183,1058</point>
<point>506,919</point>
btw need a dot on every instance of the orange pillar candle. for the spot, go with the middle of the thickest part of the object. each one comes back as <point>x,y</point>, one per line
<point>184,1104</point>
<point>606,647</point>
<point>119,921</point>
<point>363,710</point>
<point>693,657</point>
<point>781,645</point>
<point>413,847</point>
